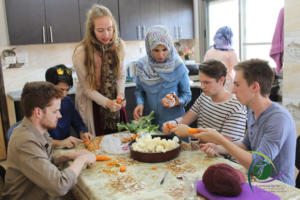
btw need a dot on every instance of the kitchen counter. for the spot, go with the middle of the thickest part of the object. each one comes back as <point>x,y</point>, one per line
<point>14,97</point>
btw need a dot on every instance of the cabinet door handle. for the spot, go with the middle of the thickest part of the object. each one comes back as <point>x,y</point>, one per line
<point>139,32</point>
<point>44,34</point>
<point>175,32</point>
<point>179,32</point>
<point>144,32</point>
<point>51,35</point>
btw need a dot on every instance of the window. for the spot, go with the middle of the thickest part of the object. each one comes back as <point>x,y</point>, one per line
<point>224,13</point>
<point>252,22</point>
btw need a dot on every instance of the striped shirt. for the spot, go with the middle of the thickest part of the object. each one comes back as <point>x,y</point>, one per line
<point>228,118</point>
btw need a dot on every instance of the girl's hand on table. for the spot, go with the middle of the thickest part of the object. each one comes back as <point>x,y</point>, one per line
<point>69,142</point>
<point>113,106</point>
<point>86,136</point>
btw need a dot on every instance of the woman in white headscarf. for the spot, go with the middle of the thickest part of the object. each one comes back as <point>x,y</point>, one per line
<point>159,73</point>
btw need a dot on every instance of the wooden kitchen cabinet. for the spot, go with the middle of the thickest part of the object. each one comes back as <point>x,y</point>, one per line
<point>25,20</point>
<point>177,16</point>
<point>130,19</point>
<point>150,16</point>
<point>85,5</point>
<point>136,16</point>
<point>42,21</point>
<point>185,19</point>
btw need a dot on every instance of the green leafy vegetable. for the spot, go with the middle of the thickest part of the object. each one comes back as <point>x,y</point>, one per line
<point>143,125</point>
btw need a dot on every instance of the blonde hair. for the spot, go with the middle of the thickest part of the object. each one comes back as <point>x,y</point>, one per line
<point>90,42</point>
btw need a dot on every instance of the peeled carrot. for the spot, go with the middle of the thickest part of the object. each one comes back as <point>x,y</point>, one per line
<point>86,142</point>
<point>154,168</point>
<point>129,138</point>
<point>170,96</point>
<point>119,100</point>
<point>91,146</point>
<point>122,168</point>
<point>112,163</point>
<point>193,130</point>
<point>170,126</point>
<point>133,136</point>
<point>102,158</point>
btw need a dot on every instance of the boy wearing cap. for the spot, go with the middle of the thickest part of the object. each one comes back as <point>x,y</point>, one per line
<point>271,129</point>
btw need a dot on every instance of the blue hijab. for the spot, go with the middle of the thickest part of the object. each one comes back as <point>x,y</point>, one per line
<point>223,38</point>
<point>151,72</point>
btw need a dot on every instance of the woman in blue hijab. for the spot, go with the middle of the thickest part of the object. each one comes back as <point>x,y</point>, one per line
<point>159,73</point>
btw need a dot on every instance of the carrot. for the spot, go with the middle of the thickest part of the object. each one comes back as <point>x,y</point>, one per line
<point>112,163</point>
<point>129,138</point>
<point>154,168</point>
<point>133,136</point>
<point>170,126</point>
<point>170,97</point>
<point>102,158</point>
<point>91,146</point>
<point>119,100</point>
<point>193,130</point>
<point>122,168</point>
<point>86,142</point>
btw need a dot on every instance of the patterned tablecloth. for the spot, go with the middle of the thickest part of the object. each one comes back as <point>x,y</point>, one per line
<point>104,181</point>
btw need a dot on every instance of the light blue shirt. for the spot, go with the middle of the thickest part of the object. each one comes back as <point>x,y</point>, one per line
<point>151,95</point>
<point>273,133</point>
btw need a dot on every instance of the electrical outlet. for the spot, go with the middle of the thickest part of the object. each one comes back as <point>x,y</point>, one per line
<point>10,60</point>
<point>22,57</point>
